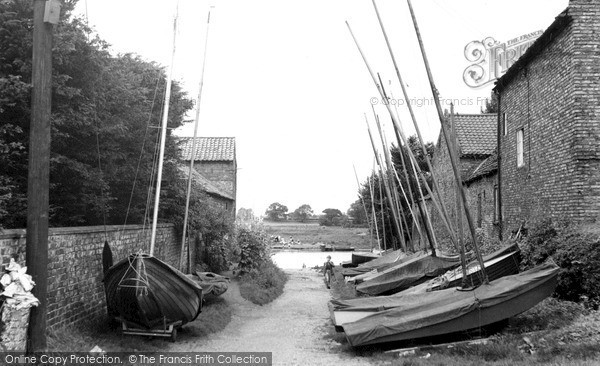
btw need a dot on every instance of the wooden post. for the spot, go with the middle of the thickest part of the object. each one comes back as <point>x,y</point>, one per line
<point>38,179</point>
<point>457,176</point>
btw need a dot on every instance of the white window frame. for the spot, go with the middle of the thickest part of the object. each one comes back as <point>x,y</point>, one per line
<point>520,150</point>
<point>505,123</point>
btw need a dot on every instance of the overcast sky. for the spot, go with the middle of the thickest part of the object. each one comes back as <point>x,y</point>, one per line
<point>286,80</point>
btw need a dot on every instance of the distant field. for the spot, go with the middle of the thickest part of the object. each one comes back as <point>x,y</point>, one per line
<point>312,233</point>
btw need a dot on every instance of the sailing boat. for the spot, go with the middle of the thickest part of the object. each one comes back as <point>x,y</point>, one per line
<point>147,295</point>
<point>448,311</point>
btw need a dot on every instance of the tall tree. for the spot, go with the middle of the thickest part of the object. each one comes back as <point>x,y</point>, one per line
<point>303,212</point>
<point>276,211</point>
<point>103,113</point>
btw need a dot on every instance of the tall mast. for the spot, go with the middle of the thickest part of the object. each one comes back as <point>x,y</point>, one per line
<point>451,152</point>
<point>372,192</point>
<point>163,136</point>
<point>387,191</point>
<point>395,122</point>
<point>364,207</point>
<point>193,153</point>
<point>461,241</point>
<point>443,212</point>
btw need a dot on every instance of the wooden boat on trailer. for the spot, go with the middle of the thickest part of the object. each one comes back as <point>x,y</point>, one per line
<point>150,297</point>
<point>450,311</point>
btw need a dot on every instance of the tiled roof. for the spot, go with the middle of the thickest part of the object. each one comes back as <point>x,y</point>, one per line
<point>204,183</point>
<point>476,133</point>
<point>208,148</point>
<point>487,167</point>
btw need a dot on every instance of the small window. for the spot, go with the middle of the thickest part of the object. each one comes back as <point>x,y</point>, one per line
<point>504,123</point>
<point>520,159</point>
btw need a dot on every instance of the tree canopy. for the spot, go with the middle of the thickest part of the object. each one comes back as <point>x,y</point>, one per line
<point>276,211</point>
<point>104,112</point>
<point>303,212</point>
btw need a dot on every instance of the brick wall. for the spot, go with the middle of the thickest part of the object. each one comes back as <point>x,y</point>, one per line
<point>586,135</point>
<point>75,288</point>
<point>221,173</point>
<point>447,186</point>
<point>555,101</point>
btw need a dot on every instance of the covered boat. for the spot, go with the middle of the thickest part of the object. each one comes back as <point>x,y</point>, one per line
<point>407,274</point>
<point>497,264</point>
<point>363,257</point>
<point>211,283</point>
<point>449,311</point>
<point>145,292</point>
<point>386,260</point>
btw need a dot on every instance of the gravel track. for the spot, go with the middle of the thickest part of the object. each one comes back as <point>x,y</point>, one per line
<point>292,327</point>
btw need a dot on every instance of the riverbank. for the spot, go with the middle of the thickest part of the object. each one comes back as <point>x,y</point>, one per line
<point>309,236</point>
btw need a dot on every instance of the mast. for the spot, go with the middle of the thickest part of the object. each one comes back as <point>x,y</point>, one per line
<point>372,192</point>
<point>461,241</point>
<point>163,136</point>
<point>387,191</point>
<point>364,208</point>
<point>443,212</point>
<point>448,143</point>
<point>193,153</point>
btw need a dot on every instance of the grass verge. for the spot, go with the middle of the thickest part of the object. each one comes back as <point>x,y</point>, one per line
<point>263,285</point>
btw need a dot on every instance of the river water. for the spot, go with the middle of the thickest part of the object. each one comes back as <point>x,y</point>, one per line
<point>295,259</point>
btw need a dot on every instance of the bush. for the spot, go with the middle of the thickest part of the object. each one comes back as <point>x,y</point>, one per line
<point>253,246</point>
<point>575,250</point>
<point>263,284</point>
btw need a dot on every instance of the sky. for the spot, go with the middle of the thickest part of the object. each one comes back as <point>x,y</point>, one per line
<point>285,78</point>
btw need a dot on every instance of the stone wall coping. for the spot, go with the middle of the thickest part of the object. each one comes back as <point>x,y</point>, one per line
<point>56,231</point>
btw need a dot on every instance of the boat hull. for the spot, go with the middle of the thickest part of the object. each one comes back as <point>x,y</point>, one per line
<point>363,257</point>
<point>386,260</point>
<point>407,274</point>
<point>146,292</point>
<point>347,311</point>
<point>450,311</point>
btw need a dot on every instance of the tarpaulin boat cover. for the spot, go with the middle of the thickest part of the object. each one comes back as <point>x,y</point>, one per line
<point>407,274</point>
<point>379,303</point>
<point>449,309</point>
<point>383,261</point>
<point>494,270</point>
<point>365,276</point>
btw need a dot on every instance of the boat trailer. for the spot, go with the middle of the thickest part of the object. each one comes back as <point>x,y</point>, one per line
<point>168,330</point>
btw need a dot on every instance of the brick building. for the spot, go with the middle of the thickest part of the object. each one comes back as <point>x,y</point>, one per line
<point>476,139</point>
<point>549,124</point>
<point>215,161</point>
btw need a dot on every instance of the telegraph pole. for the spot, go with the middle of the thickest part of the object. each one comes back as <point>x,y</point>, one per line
<point>45,14</point>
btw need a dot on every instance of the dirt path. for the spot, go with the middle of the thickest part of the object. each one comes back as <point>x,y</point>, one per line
<point>292,327</point>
